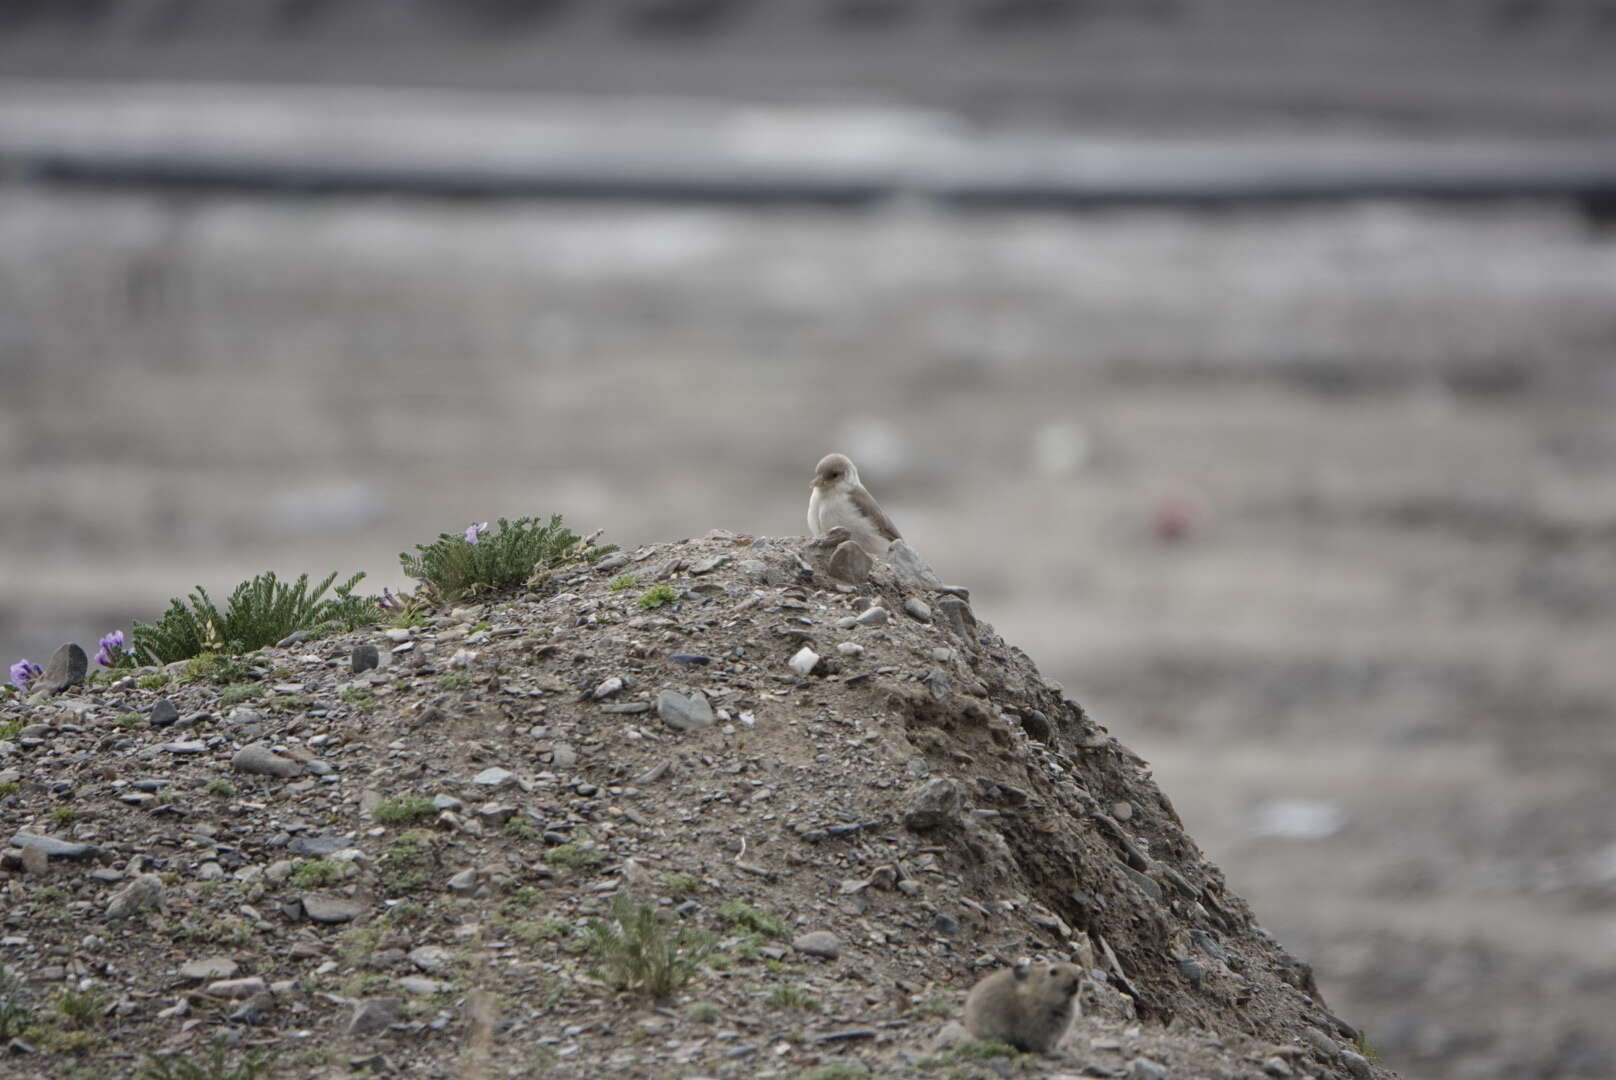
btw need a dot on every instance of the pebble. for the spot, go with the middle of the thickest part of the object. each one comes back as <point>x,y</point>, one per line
<point>875,616</point>
<point>164,713</point>
<point>850,563</point>
<point>608,688</point>
<point>431,958</point>
<point>374,1014</point>
<point>330,909</point>
<point>933,804</point>
<point>465,882</point>
<point>258,758</point>
<point>184,747</point>
<point>364,658</point>
<point>1357,1064</point>
<point>818,943</point>
<point>686,712</point>
<point>690,659</point>
<point>236,988</point>
<point>1277,1066</point>
<point>398,634</point>
<point>55,848</point>
<point>917,609</point>
<point>707,566</point>
<point>420,984</point>
<point>850,648</point>
<point>494,777</point>
<point>804,662</point>
<point>1144,1069</point>
<point>607,563</point>
<point>145,891</point>
<point>446,802</point>
<point>67,667</point>
<point>35,860</point>
<point>213,967</point>
<point>316,847</point>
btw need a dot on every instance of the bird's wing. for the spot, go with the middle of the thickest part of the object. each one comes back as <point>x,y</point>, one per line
<point>865,504</point>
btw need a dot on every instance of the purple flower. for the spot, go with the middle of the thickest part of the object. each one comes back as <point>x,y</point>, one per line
<point>23,673</point>
<point>472,531</point>
<point>111,646</point>
<point>386,601</point>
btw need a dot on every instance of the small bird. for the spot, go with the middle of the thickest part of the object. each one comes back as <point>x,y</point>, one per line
<point>840,501</point>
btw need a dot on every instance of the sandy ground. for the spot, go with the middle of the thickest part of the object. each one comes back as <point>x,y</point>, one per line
<point>1374,674</point>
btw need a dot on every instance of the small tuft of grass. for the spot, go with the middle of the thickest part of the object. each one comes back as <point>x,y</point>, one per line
<point>983,1050</point>
<point>404,810</point>
<point>80,1009</point>
<point>155,681</point>
<point>623,581</point>
<point>1365,1047</point>
<point>15,1012</point>
<point>792,997</point>
<point>657,596</point>
<point>361,696</point>
<point>454,680</point>
<point>217,1065</point>
<point>453,567</point>
<point>128,720</point>
<point>9,787</point>
<point>636,951</point>
<point>219,786</point>
<point>318,873</point>
<point>574,856</point>
<point>235,695</point>
<point>258,613</point>
<point>521,828</point>
<point>837,1070</point>
<point>940,1006</point>
<point>680,886</point>
<point>63,815</point>
<point>406,865</point>
<point>747,917</point>
<point>704,1012</point>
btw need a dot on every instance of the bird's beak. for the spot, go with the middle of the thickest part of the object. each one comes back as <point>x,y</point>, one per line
<point>817,483</point>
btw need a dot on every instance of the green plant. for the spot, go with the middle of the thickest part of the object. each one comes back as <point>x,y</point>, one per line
<point>404,810</point>
<point>235,695</point>
<point>480,627</point>
<point>521,828</point>
<point>406,864</point>
<point>636,951</point>
<point>454,565</point>
<point>747,917</point>
<point>259,613</point>
<point>63,815</point>
<point>704,1012</point>
<point>623,581</point>
<point>454,680</point>
<point>574,856</point>
<point>657,595</point>
<point>318,873</point>
<point>10,787</point>
<point>983,1050</point>
<point>837,1070</point>
<point>1364,1047</point>
<point>15,1013</point>
<point>219,786</point>
<point>792,997</point>
<point>11,730</point>
<point>216,1066</point>
<point>128,720</point>
<point>80,1009</point>
<point>154,681</point>
<point>218,670</point>
<point>357,695</point>
<point>680,886</point>
<point>940,1006</point>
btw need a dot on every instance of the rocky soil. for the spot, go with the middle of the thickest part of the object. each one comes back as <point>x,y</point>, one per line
<point>865,793</point>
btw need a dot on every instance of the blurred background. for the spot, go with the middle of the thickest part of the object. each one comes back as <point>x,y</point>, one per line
<point>1253,362</point>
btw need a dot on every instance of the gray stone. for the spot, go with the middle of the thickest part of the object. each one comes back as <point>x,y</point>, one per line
<point>957,614</point>
<point>465,882</point>
<point>850,563</point>
<point>707,566</point>
<point>374,1014</point>
<point>936,683</point>
<point>687,712</point>
<point>690,659</point>
<point>563,755</point>
<point>145,891</point>
<point>917,610</point>
<point>875,616</point>
<point>35,860</point>
<point>184,748</point>
<point>236,988</point>
<point>420,984</point>
<point>446,802</point>
<point>804,662</point>
<point>934,803</point>
<point>55,848</point>
<point>1144,1069</point>
<point>494,777</point>
<point>608,688</point>
<point>365,657</point>
<point>164,713</point>
<point>493,815</point>
<point>213,967</point>
<point>1356,1064</point>
<point>1277,1066</point>
<point>607,563</point>
<point>910,568</point>
<point>331,909</point>
<point>818,943</point>
<point>317,847</point>
<point>260,759</point>
<point>431,958</point>
<point>67,667</point>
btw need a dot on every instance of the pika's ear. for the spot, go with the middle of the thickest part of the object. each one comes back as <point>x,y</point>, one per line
<point>1020,971</point>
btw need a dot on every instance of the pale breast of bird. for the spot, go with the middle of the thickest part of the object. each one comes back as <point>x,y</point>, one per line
<point>829,509</point>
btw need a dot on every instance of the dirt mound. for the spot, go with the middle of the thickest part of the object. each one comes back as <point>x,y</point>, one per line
<point>866,795</point>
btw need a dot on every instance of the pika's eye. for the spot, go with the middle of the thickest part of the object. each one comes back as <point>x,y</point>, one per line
<point>1054,972</point>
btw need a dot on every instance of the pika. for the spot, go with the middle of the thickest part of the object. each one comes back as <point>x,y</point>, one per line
<point>1028,1006</point>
